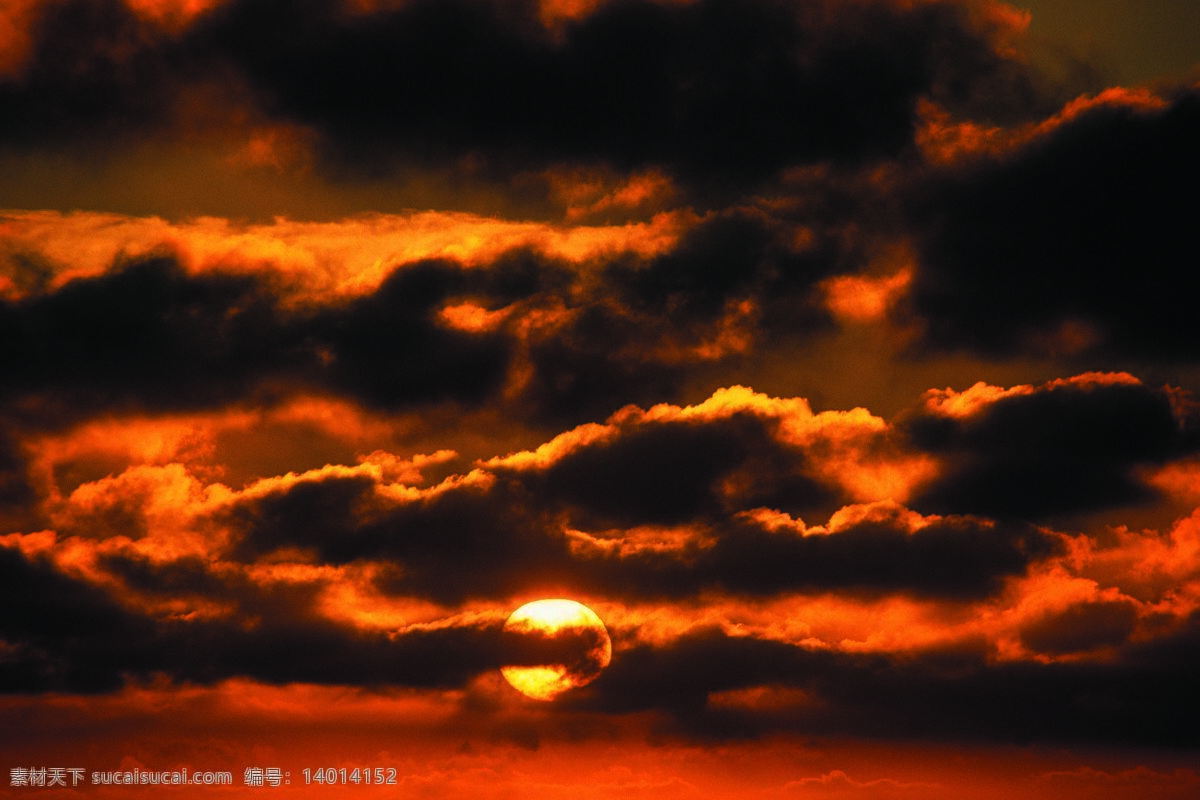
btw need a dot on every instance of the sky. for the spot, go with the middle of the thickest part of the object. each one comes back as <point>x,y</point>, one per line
<point>837,355</point>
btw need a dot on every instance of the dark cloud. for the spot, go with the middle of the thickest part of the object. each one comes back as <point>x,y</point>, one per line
<point>509,535</point>
<point>188,576</point>
<point>1064,449</point>
<point>671,473</point>
<point>571,646</point>
<point>707,89</point>
<point>734,254</point>
<point>1082,627</point>
<point>1073,243</point>
<point>638,336</point>
<point>17,494</point>
<point>65,634</point>
<point>958,695</point>
<point>451,546</point>
<point>483,77</point>
<point>595,363</point>
<point>711,91</point>
<point>954,558</point>
<point>149,336</point>
<point>39,601</point>
<point>96,69</point>
<point>144,334</point>
<point>681,674</point>
<point>288,650</point>
<point>387,350</point>
<point>320,515</point>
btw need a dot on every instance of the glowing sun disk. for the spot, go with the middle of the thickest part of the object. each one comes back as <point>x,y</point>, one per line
<point>548,619</point>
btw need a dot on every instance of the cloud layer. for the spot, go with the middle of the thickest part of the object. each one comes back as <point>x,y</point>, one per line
<point>353,574</point>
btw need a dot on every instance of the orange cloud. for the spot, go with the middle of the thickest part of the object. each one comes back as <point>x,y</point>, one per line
<point>829,622</point>
<point>589,193</point>
<point>172,13</point>
<point>275,146</point>
<point>556,12</point>
<point>1155,574</point>
<point>1137,98</point>
<point>1088,380</point>
<point>639,539</point>
<point>838,781</point>
<point>209,445</point>
<point>318,259</point>
<point>848,447</point>
<point>15,16</point>
<point>338,418</point>
<point>857,298</point>
<point>944,140</point>
<point>471,317</point>
<point>553,450</point>
<point>394,469</point>
<point>1179,479</point>
<point>950,403</point>
<point>354,600</point>
<point>159,513</point>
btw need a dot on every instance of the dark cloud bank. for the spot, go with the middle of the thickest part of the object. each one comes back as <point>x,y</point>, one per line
<point>716,91</point>
<point>493,540</point>
<point>71,637</point>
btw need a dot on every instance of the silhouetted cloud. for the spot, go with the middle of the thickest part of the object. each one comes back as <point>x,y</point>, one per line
<point>951,694</point>
<point>712,91</point>
<point>148,335</point>
<point>1067,447</point>
<point>1071,243</point>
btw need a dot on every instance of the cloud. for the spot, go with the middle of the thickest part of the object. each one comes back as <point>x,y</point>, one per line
<point>70,634</point>
<point>561,326</point>
<point>147,335</point>
<point>308,262</point>
<point>1082,627</point>
<point>16,491</point>
<point>1069,446</point>
<point>939,694</point>
<point>1069,243</point>
<point>502,67</point>
<point>838,782</point>
<point>73,635</point>
<point>951,558</point>
<point>91,69</point>
<point>1091,782</point>
<point>672,502</point>
<point>345,576</point>
<point>711,92</point>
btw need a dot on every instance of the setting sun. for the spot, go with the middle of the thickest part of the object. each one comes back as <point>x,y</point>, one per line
<point>552,619</point>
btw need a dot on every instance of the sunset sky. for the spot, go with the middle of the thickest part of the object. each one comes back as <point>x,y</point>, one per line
<point>836,353</point>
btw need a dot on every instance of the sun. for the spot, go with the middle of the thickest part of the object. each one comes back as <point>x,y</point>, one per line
<point>567,635</point>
